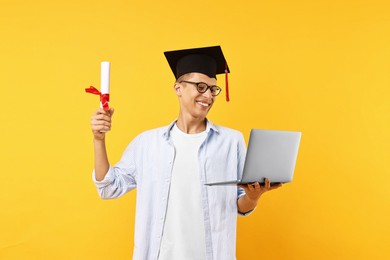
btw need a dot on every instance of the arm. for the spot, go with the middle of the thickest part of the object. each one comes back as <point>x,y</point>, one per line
<point>110,182</point>
<point>252,195</point>
<point>101,121</point>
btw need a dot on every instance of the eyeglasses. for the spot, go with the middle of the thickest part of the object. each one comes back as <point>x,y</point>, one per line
<point>203,87</point>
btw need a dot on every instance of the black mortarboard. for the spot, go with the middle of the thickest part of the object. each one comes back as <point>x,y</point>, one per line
<point>208,60</point>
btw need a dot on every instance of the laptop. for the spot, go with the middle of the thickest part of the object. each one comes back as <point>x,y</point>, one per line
<point>271,154</point>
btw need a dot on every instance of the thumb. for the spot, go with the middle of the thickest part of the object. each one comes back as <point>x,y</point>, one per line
<point>112,110</point>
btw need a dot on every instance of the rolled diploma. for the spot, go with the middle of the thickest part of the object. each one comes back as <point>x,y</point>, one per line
<point>105,78</point>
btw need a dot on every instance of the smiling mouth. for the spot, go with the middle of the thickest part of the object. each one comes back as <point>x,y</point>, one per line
<point>203,104</point>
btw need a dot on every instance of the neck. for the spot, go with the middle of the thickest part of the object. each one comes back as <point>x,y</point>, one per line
<point>191,125</point>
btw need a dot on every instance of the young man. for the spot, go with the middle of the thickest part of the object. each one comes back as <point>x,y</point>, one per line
<point>177,216</point>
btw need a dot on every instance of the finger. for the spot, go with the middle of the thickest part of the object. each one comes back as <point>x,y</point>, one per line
<point>100,128</point>
<point>267,184</point>
<point>256,185</point>
<point>250,187</point>
<point>100,124</point>
<point>245,187</point>
<point>102,111</point>
<point>102,117</point>
<point>112,110</point>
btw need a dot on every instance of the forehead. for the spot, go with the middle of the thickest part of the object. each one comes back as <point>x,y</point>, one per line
<point>199,77</point>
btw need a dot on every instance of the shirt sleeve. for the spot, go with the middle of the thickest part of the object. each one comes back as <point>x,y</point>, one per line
<point>121,178</point>
<point>240,193</point>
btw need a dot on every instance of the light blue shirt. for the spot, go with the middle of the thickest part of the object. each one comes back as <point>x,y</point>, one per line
<point>147,165</point>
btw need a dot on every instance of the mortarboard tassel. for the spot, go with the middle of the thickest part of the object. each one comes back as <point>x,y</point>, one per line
<point>227,83</point>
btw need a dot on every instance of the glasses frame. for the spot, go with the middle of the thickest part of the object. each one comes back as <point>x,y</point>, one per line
<point>208,87</point>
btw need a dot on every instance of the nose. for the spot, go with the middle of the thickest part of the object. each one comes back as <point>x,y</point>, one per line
<point>208,93</point>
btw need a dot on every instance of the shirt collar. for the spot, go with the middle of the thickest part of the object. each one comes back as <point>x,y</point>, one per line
<point>209,126</point>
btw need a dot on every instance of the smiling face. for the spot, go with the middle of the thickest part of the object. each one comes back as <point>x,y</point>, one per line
<point>192,103</point>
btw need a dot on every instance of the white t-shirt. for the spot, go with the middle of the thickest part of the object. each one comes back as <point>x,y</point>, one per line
<point>184,233</point>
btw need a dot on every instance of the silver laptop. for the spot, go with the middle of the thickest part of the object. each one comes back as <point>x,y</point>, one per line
<point>271,154</point>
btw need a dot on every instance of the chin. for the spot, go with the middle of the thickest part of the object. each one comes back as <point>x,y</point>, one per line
<point>201,115</point>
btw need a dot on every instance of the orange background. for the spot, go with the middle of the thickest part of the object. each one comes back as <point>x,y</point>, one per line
<point>320,67</point>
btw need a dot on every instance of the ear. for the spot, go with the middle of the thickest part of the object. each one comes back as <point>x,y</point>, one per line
<point>177,89</point>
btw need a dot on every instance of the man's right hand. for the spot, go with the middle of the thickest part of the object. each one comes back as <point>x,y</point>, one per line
<point>101,123</point>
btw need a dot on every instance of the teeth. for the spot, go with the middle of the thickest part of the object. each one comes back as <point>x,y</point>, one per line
<point>203,104</point>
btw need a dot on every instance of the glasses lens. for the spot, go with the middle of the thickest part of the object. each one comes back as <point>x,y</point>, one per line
<point>215,90</point>
<point>202,87</point>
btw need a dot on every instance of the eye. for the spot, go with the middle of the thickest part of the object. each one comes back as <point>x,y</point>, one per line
<point>215,90</point>
<point>202,87</point>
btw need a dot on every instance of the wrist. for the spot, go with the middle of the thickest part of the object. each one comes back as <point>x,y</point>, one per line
<point>252,201</point>
<point>99,140</point>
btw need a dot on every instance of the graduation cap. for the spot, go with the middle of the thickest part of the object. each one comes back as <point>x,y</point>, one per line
<point>208,60</point>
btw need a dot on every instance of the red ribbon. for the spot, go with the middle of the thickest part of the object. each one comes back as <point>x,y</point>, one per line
<point>227,82</point>
<point>104,98</point>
